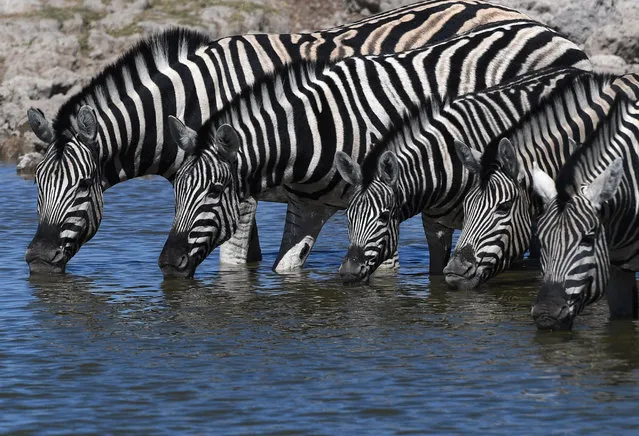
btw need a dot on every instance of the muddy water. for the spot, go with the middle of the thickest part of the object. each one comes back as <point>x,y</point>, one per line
<point>111,348</point>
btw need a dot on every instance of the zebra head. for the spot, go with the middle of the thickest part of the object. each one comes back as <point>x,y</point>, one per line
<point>70,198</point>
<point>574,253</point>
<point>207,203</point>
<point>373,218</point>
<point>497,216</point>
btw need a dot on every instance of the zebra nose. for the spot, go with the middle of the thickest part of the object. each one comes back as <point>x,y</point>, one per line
<point>183,262</point>
<point>462,263</point>
<point>555,318</point>
<point>45,253</point>
<point>174,260</point>
<point>353,267</point>
<point>550,310</point>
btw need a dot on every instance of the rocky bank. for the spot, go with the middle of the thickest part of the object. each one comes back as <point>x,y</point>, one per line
<point>49,49</point>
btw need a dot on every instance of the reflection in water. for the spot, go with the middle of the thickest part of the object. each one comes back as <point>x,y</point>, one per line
<point>112,346</point>
<point>611,351</point>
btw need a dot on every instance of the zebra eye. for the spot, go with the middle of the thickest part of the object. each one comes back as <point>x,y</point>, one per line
<point>505,206</point>
<point>384,216</point>
<point>588,239</point>
<point>85,182</point>
<point>216,189</point>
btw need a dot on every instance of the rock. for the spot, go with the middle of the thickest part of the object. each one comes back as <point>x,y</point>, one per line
<point>11,148</point>
<point>607,63</point>
<point>28,162</point>
<point>19,7</point>
<point>365,7</point>
<point>75,24</point>
<point>601,26</point>
<point>50,48</point>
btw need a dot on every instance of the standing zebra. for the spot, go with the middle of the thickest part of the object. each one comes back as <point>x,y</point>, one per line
<point>114,129</point>
<point>589,228</point>
<point>415,169</point>
<point>500,208</point>
<point>291,125</point>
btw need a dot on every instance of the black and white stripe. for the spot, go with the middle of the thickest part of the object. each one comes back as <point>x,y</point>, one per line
<point>415,168</point>
<point>589,228</point>
<point>185,74</point>
<point>291,126</point>
<point>500,208</point>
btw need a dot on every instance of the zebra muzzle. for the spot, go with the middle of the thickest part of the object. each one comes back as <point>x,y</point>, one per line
<point>353,268</point>
<point>461,270</point>
<point>174,260</point>
<point>45,254</point>
<point>550,310</point>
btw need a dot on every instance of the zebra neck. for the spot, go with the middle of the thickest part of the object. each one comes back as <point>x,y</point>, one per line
<point>577,114</point>
<point>618,136</point>
<point>431,177</point>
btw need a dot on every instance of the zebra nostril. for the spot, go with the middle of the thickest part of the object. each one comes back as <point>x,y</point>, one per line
<point>563,313</point>
<point>58,256</point>
<point>469,269</point>
<point>184,261</point>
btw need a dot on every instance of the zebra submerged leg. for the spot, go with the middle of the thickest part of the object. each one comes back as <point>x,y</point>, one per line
<point>440,241</point>
<point>244,245</point>
<point>534,249</point>
<point>623,300</point>
<point>303,223</point>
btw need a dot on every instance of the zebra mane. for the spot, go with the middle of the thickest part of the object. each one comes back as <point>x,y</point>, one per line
<point>571,174</point>
<point>413,119</point>
<point>581,86</point>
<point>164,46</point>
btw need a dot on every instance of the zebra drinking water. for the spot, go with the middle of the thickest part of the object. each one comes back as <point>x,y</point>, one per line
<point>114,129</point>
<point>414,168</point>
<point>288,129</point>
<point>500,208</point>
<point>589,227</point>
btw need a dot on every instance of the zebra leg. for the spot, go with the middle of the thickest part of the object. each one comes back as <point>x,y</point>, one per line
<point>440,241</point>
<point>534,249</point>
<point>244,245</point>
<point>303,223</point>
<point>622,294</point>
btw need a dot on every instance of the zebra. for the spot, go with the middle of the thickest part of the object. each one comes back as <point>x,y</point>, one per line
<point>114,129</point>
<point>588,228</point>
<point>414,168</point>
<point>291,126</point>
<point>500,208</point>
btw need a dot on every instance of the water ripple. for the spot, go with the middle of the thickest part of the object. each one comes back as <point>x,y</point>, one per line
<point>110,347</point>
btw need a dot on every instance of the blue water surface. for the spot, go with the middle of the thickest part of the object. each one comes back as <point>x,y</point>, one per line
<point>112,348</point>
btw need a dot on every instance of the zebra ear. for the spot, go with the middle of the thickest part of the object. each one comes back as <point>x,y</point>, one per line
<point>508,159</point>
<point>185,137</point>
<point>470,157</point>
<point>40,125</point>
<point>388,168</point>
<point>603,188</point>
<point>348,168</point>
<point>227,143</point>
<point>543,184</point>
<point>87,125</point>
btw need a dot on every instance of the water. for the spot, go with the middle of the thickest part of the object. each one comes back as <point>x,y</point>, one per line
<point>111,348</point>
